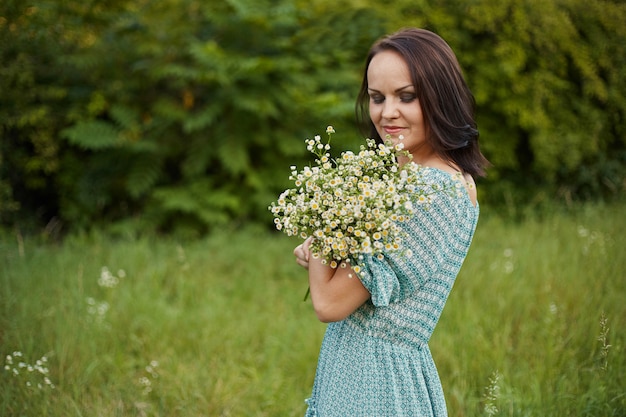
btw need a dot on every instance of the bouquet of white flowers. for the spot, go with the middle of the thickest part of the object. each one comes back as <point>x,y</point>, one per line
<point>352,205</point>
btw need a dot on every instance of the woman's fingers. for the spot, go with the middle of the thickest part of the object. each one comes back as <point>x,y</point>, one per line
<point>306,245</point>
<point>302,253</point>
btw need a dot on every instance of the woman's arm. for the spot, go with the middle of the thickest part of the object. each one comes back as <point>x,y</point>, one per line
<point>335,292</point>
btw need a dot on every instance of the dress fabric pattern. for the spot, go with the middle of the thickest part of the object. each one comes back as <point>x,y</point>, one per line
<point>376,362</point>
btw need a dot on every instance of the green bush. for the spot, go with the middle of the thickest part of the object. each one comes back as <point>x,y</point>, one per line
<point>197,123</point>
<point>184,115</point>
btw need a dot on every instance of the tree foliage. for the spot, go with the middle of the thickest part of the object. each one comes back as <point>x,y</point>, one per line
<point>553,102</point>
<point>185,115</point>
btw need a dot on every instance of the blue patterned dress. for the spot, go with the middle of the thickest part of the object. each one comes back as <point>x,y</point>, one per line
<point>376,362</point>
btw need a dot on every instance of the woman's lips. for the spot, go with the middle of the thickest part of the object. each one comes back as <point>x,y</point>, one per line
<point>392,130</point>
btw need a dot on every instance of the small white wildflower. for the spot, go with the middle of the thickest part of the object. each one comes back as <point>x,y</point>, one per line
<point>103,308</point>
<point>151,369</point>
<point>107,279</point>
<point>553,308</point>
<point>146,384</point>
<point>492,393</point>
<point>31,377</point>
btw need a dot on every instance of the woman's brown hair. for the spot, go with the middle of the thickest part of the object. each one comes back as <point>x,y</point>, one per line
<point>447,102</point>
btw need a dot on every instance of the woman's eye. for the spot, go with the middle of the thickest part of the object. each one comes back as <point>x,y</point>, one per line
<point>377,99</point>
<point>407,98</point>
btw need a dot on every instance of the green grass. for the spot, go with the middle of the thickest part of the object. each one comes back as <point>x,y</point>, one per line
<point>537,303</point>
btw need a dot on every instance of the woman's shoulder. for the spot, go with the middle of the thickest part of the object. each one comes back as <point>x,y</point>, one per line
<point>449,176</point>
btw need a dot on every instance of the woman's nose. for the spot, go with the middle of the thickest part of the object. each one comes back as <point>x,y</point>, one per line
<point>390,110</point>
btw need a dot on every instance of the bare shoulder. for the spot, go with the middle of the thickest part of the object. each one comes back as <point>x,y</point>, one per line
<point>470,186</point>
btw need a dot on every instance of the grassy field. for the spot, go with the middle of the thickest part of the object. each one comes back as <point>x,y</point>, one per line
<point>98,326</point>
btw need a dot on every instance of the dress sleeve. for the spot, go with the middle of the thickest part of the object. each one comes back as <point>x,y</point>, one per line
<point>394,276</point>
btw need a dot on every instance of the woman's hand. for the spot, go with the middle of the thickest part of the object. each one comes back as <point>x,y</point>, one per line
<point>335,292</point>
<point>303,253</point>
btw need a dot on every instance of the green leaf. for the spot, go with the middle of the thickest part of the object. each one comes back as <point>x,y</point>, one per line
<point>92,135</point>
<point>125,116</point>
<point>143,174</point>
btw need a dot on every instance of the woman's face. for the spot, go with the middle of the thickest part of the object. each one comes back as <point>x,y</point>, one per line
<point>393,106</point>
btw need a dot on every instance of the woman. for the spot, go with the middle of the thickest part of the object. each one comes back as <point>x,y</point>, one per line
<point>375,359</point>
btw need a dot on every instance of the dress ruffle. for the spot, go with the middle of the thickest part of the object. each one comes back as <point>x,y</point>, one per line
<point>311,411</point>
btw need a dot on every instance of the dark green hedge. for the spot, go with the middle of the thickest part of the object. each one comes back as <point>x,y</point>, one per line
<point>186,115</point>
